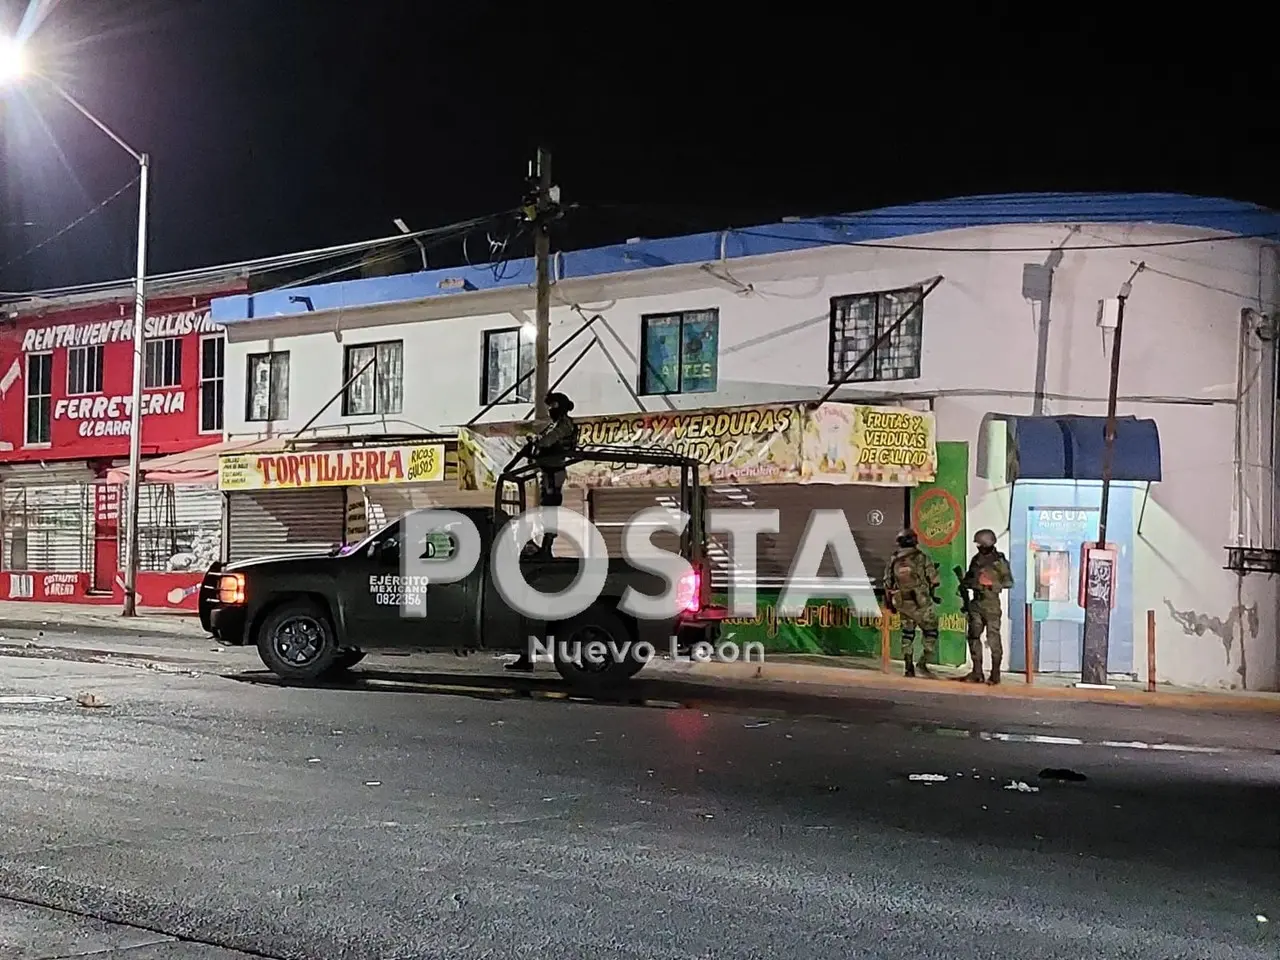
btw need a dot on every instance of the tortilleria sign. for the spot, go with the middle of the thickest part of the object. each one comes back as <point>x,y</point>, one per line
<point>774,443</point>
<point>359,466</point>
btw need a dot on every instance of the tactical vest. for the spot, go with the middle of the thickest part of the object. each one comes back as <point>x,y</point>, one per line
<point>904,572</point>
<point>984,576</point>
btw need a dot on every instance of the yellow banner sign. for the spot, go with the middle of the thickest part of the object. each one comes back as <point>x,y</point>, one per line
<point>741,445</point>
<point>879,446</point>
<point>356,467</point>
<point>776,443</point>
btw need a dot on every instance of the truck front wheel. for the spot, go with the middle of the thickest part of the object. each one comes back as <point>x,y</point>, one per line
<point>296,642</point>
<point>594,651</point>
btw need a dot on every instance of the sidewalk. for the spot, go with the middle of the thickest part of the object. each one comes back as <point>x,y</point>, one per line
<point>103,629</point>
<point>833,675</point>
<point>90,618</point>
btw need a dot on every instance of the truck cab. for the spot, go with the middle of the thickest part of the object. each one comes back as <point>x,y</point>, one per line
<point>312,616</point>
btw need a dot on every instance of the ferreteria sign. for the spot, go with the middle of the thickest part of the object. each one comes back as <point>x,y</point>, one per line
<point>775,443</point>
<point>358,466</point>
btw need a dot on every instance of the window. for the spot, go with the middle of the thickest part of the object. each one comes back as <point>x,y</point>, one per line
<point>267,383</point>
<point>679,352</point>
<point>378,387</point>
<point>212,375</point>
<point>508,356</point>
<point>163,366</point>
<point>1053,576</point>
<point>84,370</point>
<point>860,320</point>
<point>39,398</point>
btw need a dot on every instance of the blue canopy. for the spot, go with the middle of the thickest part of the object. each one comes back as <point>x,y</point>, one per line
<point>1072,448</point>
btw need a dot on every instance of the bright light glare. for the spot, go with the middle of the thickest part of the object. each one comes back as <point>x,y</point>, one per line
<point>13,60</point>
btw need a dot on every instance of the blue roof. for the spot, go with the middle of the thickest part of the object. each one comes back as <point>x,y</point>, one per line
<point>889,223</point>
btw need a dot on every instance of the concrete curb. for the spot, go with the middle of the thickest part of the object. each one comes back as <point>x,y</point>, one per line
<point>1013,687</point>
<point>114,628</point>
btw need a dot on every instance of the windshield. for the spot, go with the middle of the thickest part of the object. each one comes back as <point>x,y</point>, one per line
<point>378,534</point>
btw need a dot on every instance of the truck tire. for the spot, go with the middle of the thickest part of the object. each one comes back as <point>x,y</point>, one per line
<point>604,625</point>
<point>296,641</point>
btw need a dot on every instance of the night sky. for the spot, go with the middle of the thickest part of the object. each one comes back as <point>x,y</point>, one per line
<point>285,125</point>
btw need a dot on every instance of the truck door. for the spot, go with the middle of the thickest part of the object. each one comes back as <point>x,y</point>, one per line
<point>380,593</point>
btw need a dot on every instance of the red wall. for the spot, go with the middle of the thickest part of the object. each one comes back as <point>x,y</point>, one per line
<point>171,591</point>
<point>97,425</point>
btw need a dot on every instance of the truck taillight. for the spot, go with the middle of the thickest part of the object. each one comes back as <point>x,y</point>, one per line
<point>689,592</point>
<point>231,589</point>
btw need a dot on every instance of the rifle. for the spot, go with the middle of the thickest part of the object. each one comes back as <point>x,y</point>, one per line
<point>962,589</point>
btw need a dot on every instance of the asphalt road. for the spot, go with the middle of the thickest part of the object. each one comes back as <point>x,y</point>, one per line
<point>331,824</point>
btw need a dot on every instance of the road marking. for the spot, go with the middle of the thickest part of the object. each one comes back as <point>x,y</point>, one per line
<point>19,699</point>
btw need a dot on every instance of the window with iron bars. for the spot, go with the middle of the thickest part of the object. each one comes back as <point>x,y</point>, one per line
<point>859,321</point>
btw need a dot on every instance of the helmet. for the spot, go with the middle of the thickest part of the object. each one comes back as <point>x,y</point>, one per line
<point>985,538</point>
<point>907,538</point>
<point>558,402</point>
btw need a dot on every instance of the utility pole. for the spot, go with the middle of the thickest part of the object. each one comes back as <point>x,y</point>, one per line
<point>1099,568</point>
<point>541,208</point>
<point>135,414</point>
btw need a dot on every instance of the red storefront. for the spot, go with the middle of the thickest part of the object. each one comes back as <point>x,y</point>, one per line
<point>66,380</point>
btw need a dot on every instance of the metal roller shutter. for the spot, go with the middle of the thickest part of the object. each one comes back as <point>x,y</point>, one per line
<point>388,503</point>
<point>874,514</point>
<point>180,527</point>
<point>47,527</point>
<point>264,523</point>
<point>611,508</point>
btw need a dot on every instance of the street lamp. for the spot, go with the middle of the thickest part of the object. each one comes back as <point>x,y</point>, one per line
<point>13,67</point>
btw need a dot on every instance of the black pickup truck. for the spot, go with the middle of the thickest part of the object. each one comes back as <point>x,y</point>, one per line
<point>313,616</point>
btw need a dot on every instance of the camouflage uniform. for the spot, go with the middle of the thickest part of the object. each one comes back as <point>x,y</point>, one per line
<point>988,574</point>
<point>910,584</point>
<point>548,451</point>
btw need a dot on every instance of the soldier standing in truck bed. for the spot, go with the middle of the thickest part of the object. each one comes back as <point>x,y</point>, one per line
<point>549,451</point>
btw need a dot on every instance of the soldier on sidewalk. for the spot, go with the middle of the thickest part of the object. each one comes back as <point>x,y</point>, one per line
<point>911,591</point>
<point>988,574</point>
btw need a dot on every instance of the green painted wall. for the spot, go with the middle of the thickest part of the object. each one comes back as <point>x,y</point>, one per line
<point>829,627</point>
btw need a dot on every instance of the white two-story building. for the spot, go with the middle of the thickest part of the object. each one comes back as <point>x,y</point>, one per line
<point>1010,350</point>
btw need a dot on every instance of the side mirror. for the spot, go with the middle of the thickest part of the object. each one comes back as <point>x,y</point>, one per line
<point>388,553</point>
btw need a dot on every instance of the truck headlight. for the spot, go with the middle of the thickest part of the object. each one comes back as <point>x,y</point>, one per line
<point>231,589</point>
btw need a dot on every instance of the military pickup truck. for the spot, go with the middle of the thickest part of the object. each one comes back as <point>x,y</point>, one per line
<point>313,616</point>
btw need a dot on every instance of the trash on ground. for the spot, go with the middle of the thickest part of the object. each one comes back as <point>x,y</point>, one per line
<point>1022,787</point>
<point>757,723</point>
<point>313,760</point>
<point>90,700</point>
<point>1261,918</point>
<point>373,783</point>
<point>1061,773</point>
<point>928,777</point>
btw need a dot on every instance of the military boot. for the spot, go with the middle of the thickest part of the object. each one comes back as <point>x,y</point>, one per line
<point>522,663</point>
<point>923,669</point>
<point>995,670</point>
<point>908,665</point>
<point>975,654</point>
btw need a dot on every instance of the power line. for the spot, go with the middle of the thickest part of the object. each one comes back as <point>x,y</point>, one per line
<point>262,264</point>
<point>70,226</point>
